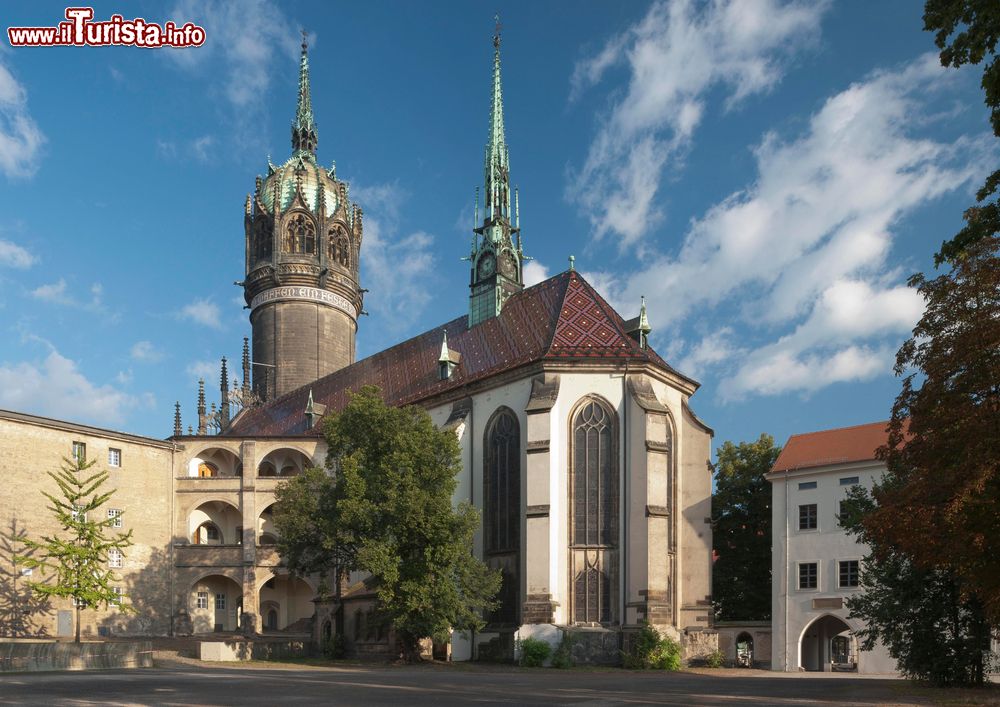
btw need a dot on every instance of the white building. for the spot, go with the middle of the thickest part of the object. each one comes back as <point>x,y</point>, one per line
<point>815,563</point>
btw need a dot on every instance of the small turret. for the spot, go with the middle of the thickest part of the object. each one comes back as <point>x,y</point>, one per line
<point>202,418</point>
<point>224,395</point>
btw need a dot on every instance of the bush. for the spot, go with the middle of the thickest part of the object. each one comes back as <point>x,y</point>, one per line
<point>335,647</point>
<point>715,659</point>
<point>533,652</point>
<point>562,658</point>
<point>650,651</point>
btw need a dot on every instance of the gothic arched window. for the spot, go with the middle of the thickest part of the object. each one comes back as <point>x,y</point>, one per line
<point>300,235</point>
<point>502,509</point>
<point>339,247</point>
<point>593,511</point>
<point>261,240</point>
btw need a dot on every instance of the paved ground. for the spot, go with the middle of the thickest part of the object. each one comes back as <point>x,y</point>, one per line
<point>439,685</point>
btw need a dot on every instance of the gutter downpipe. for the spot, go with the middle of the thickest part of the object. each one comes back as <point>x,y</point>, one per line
<point>472,496</point>
<point>626,499</point>
<point>785,569</point>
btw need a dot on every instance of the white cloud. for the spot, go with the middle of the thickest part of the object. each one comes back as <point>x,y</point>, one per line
<point>676,54</point>
<point>712,350</point>
<point>806,245</point>
<point>199,148</point>
<point>56,293</point>
<point>145,351</point>
<point>205,370</point>
<point>14,256</point>
<point>535,272</point>
<point>20,138</point>
<point>248,36</point>
<point>55,387</point>
<point>822,349</point>
<point>204,312</point>
<point>397,268</point>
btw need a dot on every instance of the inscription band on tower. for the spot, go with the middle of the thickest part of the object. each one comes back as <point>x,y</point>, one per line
<point>306,294</point>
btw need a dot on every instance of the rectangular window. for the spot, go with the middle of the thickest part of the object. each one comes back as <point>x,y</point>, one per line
<point>78,514</point>
<point>211,532</point>
<point>114,457</point>
<point>115,558</point>
<point>807,516</point>
<point>806,485</point>
<point>843,509</point>
<point>220,602</point>
<point>849,481</point>
<point>808,575</point>
<point>80,452</point>
<point>849,576</point>
<point>115,516</point>
<point>119,593</point>
<point>202,600</point>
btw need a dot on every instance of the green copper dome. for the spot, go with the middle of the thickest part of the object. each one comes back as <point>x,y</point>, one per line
<point>300,173</point>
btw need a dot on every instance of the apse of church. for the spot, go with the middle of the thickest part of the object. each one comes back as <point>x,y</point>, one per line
<point>303,244</point>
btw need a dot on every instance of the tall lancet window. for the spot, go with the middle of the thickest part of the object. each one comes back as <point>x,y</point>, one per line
<point>502,506</point>
<point>593,512</point>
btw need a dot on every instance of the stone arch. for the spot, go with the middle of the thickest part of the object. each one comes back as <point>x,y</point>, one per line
<point>828,643</point>
<point>267,534</point>
<point>214,462</point>
<point>744,650</point>
<point>593,494</point>
<point>215,603</point>
<point>284,461</point>
<point>223,516</point>
<point>291,600</point>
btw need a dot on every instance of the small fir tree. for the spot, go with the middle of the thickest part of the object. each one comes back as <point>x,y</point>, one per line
<point>76,557</point>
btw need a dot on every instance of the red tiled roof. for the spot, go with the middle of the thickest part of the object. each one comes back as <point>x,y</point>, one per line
<point>827,447</point>
<point>558,319</point>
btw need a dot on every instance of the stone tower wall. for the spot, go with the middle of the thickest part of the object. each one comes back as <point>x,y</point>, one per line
<point>309,340</point>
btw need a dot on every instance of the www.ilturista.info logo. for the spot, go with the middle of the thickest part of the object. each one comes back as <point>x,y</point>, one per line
<point>80,31</point>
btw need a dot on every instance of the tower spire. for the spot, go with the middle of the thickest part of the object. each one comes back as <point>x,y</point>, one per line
<point>304,135</point>
<point>496,258</point>
<point>497,168</point>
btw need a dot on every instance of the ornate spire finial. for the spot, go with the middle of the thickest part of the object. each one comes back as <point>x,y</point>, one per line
<point>572,264</point>
<point>178,429</point>
<point>246,365</point>
<point>496,32</point>
<point>304,136</point>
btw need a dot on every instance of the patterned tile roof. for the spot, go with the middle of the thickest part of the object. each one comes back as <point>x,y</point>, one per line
<point>562,318</point>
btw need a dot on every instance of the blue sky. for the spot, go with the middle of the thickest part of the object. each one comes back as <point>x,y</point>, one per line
<point>766,173</point>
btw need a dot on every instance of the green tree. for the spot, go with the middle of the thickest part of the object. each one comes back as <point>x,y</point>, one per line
<point>741,530</point>
<point>76,557</point>
<point>966,32</point>
<point>387,510</point>
<point>934,629</point>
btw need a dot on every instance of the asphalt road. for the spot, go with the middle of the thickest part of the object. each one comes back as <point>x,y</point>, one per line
<point>435,685</point>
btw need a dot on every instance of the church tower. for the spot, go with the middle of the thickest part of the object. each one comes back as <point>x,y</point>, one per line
<point>496,258</point>
<point>303,241</point>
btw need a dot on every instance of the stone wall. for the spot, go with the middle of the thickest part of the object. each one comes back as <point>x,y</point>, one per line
<point>31,656</point>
